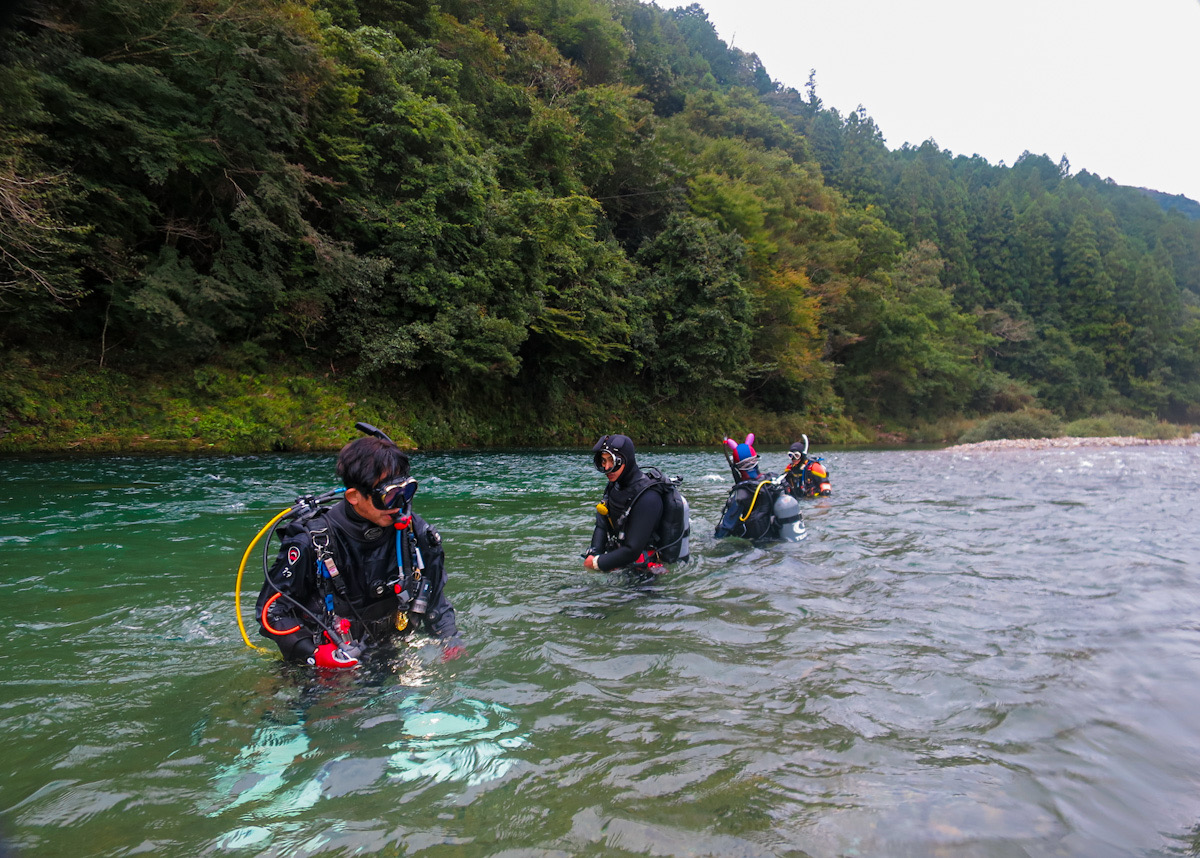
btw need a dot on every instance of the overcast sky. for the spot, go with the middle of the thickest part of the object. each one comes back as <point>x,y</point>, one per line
<point>1112,84</point>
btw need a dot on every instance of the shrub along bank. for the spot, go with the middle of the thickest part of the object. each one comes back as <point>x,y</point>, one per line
<point>221,410</point>
<point>215,409</point>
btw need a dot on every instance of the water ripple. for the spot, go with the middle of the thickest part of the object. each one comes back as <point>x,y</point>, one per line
<point>983,654</point>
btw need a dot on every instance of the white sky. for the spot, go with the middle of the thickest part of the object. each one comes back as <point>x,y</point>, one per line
<point>1112,84</point>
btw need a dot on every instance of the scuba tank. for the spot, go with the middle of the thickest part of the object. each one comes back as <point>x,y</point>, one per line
<point>787,515</point>
<point>675,526</point>
<point>686,521</point>
<point>303,509</point>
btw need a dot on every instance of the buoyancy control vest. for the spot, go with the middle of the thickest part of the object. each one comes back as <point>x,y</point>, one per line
<point>373,585</point>
<point>808,478</point>
<point>669,543</point>
<point>749,509</point>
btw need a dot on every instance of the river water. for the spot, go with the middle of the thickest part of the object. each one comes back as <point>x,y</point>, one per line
<point>972,654</point>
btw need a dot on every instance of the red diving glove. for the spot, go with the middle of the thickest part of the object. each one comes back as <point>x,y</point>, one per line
<point>454,649</point>
<point>331,656</point>
<point>651,566</point>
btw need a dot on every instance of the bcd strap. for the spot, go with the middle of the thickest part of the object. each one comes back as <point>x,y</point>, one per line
<point>326,565</point>
<point>643,485</point>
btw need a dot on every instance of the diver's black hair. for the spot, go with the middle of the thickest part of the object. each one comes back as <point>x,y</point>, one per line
<point>364,461</point>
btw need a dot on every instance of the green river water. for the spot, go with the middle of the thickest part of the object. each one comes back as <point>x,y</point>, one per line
<point>972,654</point>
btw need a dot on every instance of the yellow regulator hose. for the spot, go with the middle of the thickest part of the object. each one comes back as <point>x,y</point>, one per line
<point>753,501</point>
<point>237,588</point>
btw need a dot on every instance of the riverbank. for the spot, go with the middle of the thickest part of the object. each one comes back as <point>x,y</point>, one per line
<point>1192,440</point>
<point>217,410</point>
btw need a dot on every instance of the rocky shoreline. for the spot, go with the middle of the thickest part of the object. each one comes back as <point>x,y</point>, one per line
<point>1192,440</point>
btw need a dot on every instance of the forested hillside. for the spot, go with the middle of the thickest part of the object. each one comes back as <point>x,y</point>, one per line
<point>565,203</point>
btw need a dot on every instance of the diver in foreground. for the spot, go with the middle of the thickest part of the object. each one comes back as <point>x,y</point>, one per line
<point>758,507</point>
<point>350,576</point>
<point>643,521</point>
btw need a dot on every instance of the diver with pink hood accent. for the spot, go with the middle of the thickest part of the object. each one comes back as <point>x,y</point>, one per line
<point>744,459</point>
<point>757,506</point>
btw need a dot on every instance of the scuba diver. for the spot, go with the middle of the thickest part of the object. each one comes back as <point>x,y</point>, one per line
<point>643,520</point>
<point>805,477</point>
<point>350,576</point>
<point>757,506</point>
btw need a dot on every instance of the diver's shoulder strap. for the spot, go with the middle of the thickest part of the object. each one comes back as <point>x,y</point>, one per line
<point>427,535</point>
<point>651,478</point>
<point>306,524</point>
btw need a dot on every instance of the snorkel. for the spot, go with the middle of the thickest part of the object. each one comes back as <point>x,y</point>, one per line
<point>368,429</point>
<point>797,457</point>
<point>729,448</point>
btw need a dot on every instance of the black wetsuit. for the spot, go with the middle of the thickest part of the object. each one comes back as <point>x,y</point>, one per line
<point>366,558</point>
<point>620,539</point>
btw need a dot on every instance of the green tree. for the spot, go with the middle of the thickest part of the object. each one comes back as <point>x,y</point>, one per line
<point>1087,289</point>
<point>919,356</point>
<point>1066,377</point>
<point>699,310</point>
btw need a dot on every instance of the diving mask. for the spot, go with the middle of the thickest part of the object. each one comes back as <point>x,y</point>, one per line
<point>393,494</point>
<point>615,460</point>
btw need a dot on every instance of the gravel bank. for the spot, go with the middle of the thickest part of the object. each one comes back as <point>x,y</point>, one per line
<point>1192,440</point>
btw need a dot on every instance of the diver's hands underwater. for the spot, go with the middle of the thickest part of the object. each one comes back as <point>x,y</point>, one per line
<point>454,649</point>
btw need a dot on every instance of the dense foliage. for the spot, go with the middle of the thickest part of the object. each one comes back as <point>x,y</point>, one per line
<point>546,199</point>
